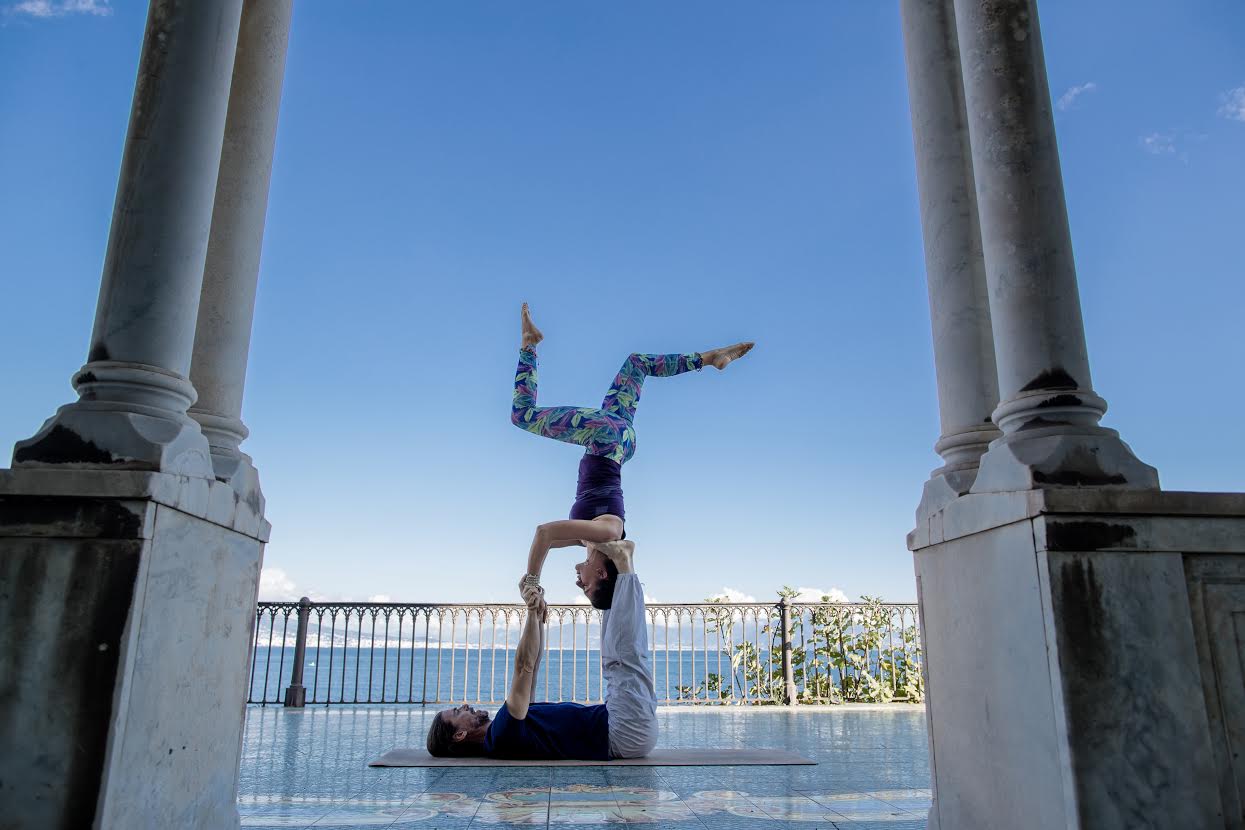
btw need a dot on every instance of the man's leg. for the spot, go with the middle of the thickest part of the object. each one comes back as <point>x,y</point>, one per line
<point>627,667</point>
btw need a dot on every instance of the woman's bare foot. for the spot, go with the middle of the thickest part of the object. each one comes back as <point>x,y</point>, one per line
<point>718,358</point>
<point>531,334</point>
<point>619,552</point>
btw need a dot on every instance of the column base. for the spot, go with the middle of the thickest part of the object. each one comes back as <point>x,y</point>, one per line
<point>295,697</point>
<point>129,602</point>
<point>961,451</point>
<point>238,471</point>
<point>944,488</point>
<point>83,436</point>
<point>1083,671</point>
<point>229,463</point>
<point>129,416</point>
<point>1037,457</point>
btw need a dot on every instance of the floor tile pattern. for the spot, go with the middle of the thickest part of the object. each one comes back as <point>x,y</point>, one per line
<point>308,769</point>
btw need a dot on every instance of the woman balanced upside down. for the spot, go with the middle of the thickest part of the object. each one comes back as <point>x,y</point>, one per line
<point>608,436</point>
<point>625,726</point>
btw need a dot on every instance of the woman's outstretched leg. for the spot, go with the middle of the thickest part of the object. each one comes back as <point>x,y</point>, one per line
<point>624,394</point>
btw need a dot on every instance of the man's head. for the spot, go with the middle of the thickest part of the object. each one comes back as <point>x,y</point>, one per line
<point>458,731</point>
<point>596,575</point>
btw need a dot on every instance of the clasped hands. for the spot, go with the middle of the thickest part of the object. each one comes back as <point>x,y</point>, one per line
<point>534,599</point>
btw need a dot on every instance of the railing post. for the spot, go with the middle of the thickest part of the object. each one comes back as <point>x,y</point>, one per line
<point>788,671</point>
<point>296,695</point>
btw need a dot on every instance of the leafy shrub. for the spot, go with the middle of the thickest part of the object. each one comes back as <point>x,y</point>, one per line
<point>840,653</point>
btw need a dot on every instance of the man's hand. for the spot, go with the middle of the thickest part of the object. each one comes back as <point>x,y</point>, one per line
<point>534,598</point>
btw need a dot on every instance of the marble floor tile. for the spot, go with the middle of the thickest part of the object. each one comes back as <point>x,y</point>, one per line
<point>309,769</point>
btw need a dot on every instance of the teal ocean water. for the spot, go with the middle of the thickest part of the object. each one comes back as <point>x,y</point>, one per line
<point>406,675</point>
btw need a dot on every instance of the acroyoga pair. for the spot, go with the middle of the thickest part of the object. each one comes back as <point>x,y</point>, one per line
<point>625,726</point>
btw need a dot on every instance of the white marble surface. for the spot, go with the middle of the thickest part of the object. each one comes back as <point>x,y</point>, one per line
<point>173,755</point>
<point>128,619</point>
<point>308,768</point>
<point>1071,680</point>
<point>203,498</point>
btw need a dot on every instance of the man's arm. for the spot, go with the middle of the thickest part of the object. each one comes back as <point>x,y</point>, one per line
<point>527,656</point>
<point>568,532</point>
<point>540,653</point>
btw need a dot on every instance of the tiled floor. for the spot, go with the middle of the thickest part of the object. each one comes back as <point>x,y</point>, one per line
<point>308,768</point>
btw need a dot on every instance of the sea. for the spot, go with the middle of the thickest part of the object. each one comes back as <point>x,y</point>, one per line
<point>466,675</point>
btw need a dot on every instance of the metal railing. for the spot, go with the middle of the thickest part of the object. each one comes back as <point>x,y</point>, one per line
<point>703,653</point>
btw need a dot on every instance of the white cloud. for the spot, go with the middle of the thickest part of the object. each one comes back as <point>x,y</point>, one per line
<point>816,594</point>
<point>1233,106</point>
<point>1175,143</point>
<point>380,598</point>
<point>276,585</point>
<point>60,8</point>
<point>733,595</point>
<point>1069,98</point>
<point>1159,144</point>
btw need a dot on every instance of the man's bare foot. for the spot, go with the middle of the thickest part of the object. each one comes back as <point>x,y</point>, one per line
<point>531,334</point>
<point>718,358</point>
<point>619,553</point>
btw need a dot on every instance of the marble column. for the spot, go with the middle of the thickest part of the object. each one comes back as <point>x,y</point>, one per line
<point>955,271</point>
<point>134,390</point>
<point>1049,411</point>
<point>227,305</point>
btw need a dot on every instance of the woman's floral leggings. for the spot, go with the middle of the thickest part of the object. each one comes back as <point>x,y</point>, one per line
<point>606,431</point>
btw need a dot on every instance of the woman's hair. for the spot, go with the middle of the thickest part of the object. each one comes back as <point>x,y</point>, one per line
<point>441,740</point>
<point>603,595</point>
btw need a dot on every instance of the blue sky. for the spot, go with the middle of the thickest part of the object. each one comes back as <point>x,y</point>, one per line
<point>650,177</point>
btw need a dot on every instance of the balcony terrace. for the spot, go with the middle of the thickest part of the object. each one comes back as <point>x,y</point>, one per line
<point>732,675</point>
<point>307,767</point>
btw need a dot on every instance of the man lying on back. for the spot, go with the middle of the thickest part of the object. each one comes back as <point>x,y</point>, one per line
<point>625,726</point>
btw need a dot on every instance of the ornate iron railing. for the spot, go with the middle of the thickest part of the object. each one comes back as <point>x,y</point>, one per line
<point>703,653</point>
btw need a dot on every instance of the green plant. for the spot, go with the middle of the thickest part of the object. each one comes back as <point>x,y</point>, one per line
<point>840,654</point>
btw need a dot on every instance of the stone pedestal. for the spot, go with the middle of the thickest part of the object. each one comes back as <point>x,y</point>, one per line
<point>127,602</point>
<point>1085,660</point>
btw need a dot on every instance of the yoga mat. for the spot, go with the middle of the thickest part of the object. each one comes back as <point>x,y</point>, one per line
<point>674,757</point>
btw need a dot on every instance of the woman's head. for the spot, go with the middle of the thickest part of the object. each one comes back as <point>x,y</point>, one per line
<point>596,576</point>
<point>458,731</point>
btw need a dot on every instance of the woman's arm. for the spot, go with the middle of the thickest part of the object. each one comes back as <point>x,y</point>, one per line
<point>568,532</point>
